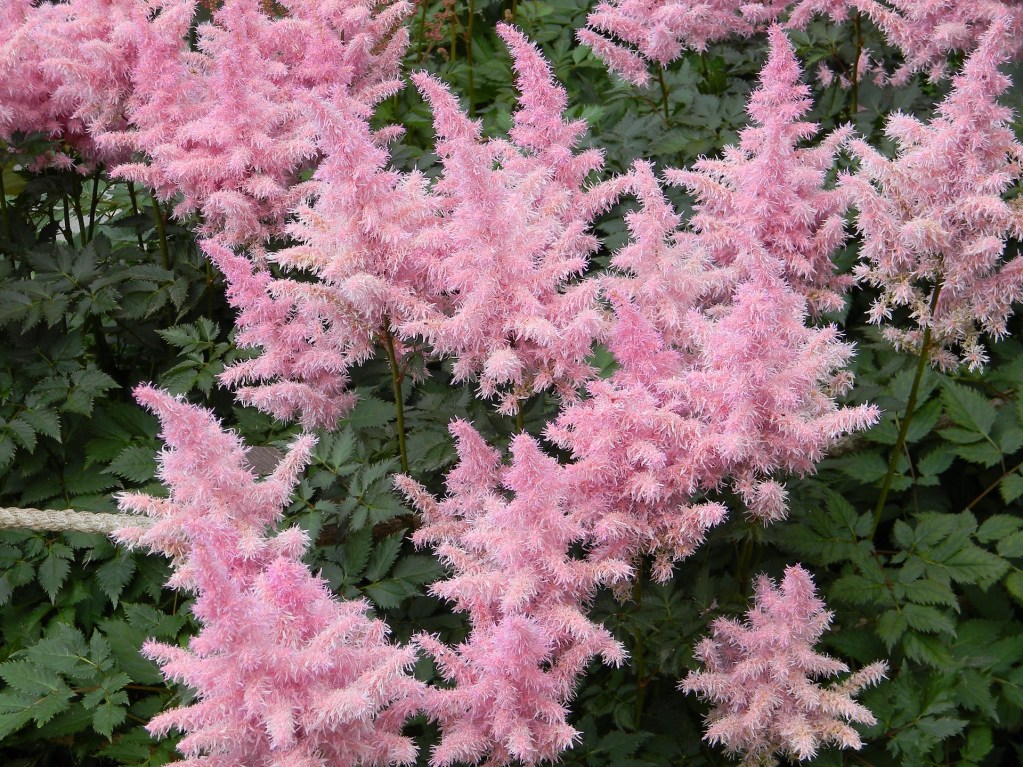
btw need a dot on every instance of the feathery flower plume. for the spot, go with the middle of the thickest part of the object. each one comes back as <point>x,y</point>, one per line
<point>228,126</point>
<point>284,673</point>
<point>933,221</point>
<point>510,315</point>
<point>770,189</point>
<point>66,71</point>
<point>760,676</point>
<point>356,235</point>
<point>628,35</point>
<point>927,30</point>
<point>524,594</point>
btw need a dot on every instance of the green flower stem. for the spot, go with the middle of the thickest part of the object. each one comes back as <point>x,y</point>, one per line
<point>135,211</point>
<point>92,205</point>
<point>664,96</point>
<point>161,231</point>
<point>3,207</point>
<point>396,377</point>
<point>914,390</point>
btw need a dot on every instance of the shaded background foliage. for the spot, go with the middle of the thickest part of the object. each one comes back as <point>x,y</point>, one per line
<point>99,291</point>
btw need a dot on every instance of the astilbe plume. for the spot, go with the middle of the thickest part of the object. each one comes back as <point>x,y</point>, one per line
<point>66,72</point>
<point>927,30</point>
<point>228,128</point>
<point>505,534</point>
<point>769,188</point>
<point>285,674</point>
<point>628,35</point>
<point>719,377</point>
<point>509,315</point>
<point>760,677</point>
<point>933,221</point>
<point>356,234</point>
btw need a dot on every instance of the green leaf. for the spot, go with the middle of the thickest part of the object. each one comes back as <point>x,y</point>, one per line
<point>1014,585</point>
<point>134,463</point>
<point>997,527</point>
<point>417,569</point>
<point>891,626</point>
<point>1011,545</point>
<point>1011,487</point>
<point>371,411</point>
<point>114,574</point>
<point>974,565</point>
<point>928,619</point>
<point>53,571</point>
<point>358,546</point>
<point>968,408</point>
<point>383,556</point>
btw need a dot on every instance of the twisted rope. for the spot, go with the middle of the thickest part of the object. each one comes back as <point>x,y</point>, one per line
<point>68,519</point>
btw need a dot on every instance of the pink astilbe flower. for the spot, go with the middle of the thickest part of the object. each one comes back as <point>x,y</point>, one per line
<point>933,221</point>
<point>760,677</point>
<point>66,71</point>
<point>524,595</point>
<point>511,317</point>
<point>356,235</point>
<point>769,189</point>
<point>629,34</point>
<point>284,673</point>
<point>228,127</point>
<point>927,30</point>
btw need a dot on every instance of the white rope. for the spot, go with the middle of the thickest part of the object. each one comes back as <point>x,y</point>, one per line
<point>68,519</point>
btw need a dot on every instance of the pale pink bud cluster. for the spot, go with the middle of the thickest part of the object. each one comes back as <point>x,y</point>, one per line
<point>933,220</point>
<point>228,127</point>
<point>284,673</point>
<point>66,71</point>
<point>514,232</point>
<point>730,386</point>
<point>629,35</point>
<point>398,261</point>
<point>760,676</point>
<point>525,597</point>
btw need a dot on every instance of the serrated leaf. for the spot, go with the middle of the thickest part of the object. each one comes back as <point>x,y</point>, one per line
<point>891,626</point>
<point>418,569</point>
<point>387,594</point>
<point>358,546</point>
<point>114,574</point>
<point>370,412</point>
<point>972,564</point>
<point>1014,585</point>
<point>383,556</point>
<point>134,463</point>
<point>997,527</point>
<point>928,619</point>
<point>968,408</point>
<point>863,467</point>
<point>1011,487</point>
<point>1011,545</point>
<point>53,570</point>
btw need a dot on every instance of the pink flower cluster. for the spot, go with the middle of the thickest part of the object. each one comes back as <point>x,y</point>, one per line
<point>284,673</point>
<point>759,675</point>
<point>629,35</point>
<point>740,392</point>
<point>933,220</point>
<point>398,261</point>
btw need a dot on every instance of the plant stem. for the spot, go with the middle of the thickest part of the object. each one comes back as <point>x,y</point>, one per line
<point>514,10</point>
<point>992,486</point>
<point>83,233</point>
<point>639,651</point>
<point>520,421</point>
<point>396,385</point>
<point>664,96</point>
<point>161,231</point>
<point>900,442</point>
<point>468,57</point>
<point>68,236</point>
<point>92,205</point>
<point>422,31</point>
<point>855,105</point>
<point>3,207</point>
<point>135,210</point>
